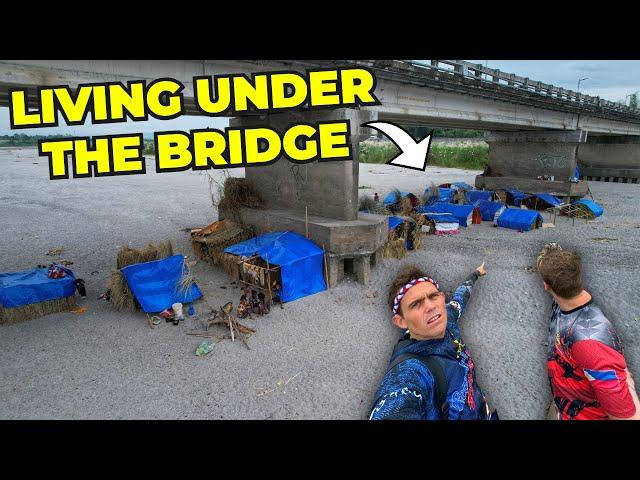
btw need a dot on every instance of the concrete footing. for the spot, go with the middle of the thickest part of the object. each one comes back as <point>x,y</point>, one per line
<point>610,159</point>
<point>561,189</point>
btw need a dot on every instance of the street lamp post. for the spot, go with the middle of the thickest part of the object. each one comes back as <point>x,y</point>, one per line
<point>586,78</point>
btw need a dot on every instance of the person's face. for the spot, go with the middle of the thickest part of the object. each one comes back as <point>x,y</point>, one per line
<point>423,312</point>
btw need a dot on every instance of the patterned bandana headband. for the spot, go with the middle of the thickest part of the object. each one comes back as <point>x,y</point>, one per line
<point>405,289</point>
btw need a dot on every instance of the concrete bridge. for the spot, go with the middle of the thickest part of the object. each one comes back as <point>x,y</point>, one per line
<point>533,129</point>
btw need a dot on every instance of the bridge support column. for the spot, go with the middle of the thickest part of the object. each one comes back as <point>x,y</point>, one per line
<point>516,159</point>
<point>610,158</point>
<point>320,198</point>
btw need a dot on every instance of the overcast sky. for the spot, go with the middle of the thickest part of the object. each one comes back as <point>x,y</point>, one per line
<point>610,79</point>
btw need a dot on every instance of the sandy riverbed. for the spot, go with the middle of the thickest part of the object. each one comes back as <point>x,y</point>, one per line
<point>322,356</point>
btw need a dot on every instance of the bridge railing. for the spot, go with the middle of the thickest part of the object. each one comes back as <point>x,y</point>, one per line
<point>479,72</point>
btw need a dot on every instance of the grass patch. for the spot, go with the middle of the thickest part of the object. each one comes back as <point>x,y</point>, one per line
<point>466,157</point>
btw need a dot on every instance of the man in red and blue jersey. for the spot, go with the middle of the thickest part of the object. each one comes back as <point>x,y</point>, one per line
<point>586,364</point>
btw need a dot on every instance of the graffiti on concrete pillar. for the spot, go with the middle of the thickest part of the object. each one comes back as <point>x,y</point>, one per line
<point>552,161</point>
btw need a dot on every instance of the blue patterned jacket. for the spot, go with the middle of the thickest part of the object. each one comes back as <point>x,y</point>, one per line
<point>407,391</point>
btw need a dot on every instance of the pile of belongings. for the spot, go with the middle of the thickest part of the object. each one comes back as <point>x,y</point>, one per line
<point>34,293</point>
<point>404,234</point>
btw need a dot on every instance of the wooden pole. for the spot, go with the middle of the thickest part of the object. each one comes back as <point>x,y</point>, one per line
<point>269,279</point>
<point>306,221</point>
<point>326,272</point>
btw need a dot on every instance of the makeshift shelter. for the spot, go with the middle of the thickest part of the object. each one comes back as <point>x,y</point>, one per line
<point>542,201</point>
<point>441,223</point>
<point>489,209</point>
<point>209,242</point>
<point>515,197</point>
<point>119,292</point>
<point>461,186</point>
<point>519,219</point>
<point>595,210</point>
<point>462,213</point>
<point>300,262</point>
<point>445,194</point>
<point>475,195</point>
<point>159,284</point>
<point>30,294</point>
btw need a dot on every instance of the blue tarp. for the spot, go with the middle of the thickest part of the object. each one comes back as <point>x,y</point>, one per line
<point>460,212</point>
<point>488,209</point>
<point>391,197</point>
<point>33,286</point>
<point>156,284</point>
<point>441,217</point>
<point>444,194</point>
<point>474,195</point>
<point>518,196</point>
<point>550,199</point>
<point>300,260</point>
<point>596,209</point>
<point>394,222</point>
<point>518,219</point>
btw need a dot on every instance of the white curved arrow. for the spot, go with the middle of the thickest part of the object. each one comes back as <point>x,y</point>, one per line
<point>412,155</point>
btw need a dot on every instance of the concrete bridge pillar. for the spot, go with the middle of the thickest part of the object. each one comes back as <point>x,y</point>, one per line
<point>610,158</point>
<point>328,190</point>
<point>516,159</point>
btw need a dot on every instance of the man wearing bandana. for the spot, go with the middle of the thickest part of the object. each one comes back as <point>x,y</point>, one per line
<point>431,375</point>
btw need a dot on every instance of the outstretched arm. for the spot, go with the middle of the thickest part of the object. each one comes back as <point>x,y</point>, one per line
<point>462,294</point>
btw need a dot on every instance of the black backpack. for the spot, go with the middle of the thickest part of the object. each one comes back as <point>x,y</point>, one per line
<point>440,387</point>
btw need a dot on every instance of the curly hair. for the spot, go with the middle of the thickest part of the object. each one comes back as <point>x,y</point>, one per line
<point>561,270</point>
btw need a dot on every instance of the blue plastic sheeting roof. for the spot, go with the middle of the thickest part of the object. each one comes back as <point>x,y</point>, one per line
<point>156,284</point>
<point>518,219</point>
<point>445,194</point>
<point>390,199</point>
<point>488,209</point>
<point>595,208</point>
<point>518,196</point>
<point>550,199</point>
<point>33,286</point>
<point>441,217</point>
<point>394,222</point>
<point>474,195</point>
<point>461,212</point>
<point>300,260</point>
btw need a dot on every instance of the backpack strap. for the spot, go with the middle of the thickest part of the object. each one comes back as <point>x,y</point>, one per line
<point>440,387</point>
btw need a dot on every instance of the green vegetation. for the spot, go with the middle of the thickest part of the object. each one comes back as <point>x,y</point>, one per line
<point>149,148</point>
<point>22,140</point>
<point>467,157</point>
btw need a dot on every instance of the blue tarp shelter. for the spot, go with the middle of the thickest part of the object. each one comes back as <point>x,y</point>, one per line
<point>300,261</point>
<point>596,209</point>
<point>474,195</point>
<point>517,196</point>
<point>394,222</point>
<point>550,199</point>
<point>519,219</point>
<point>156,284</point>
<point>441,217</point>
<point>488,209</point>
<point>460,212</point>
<point>34,286</point>
<point>444,194</point>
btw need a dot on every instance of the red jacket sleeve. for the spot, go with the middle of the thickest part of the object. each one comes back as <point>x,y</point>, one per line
<point>605,369</point>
